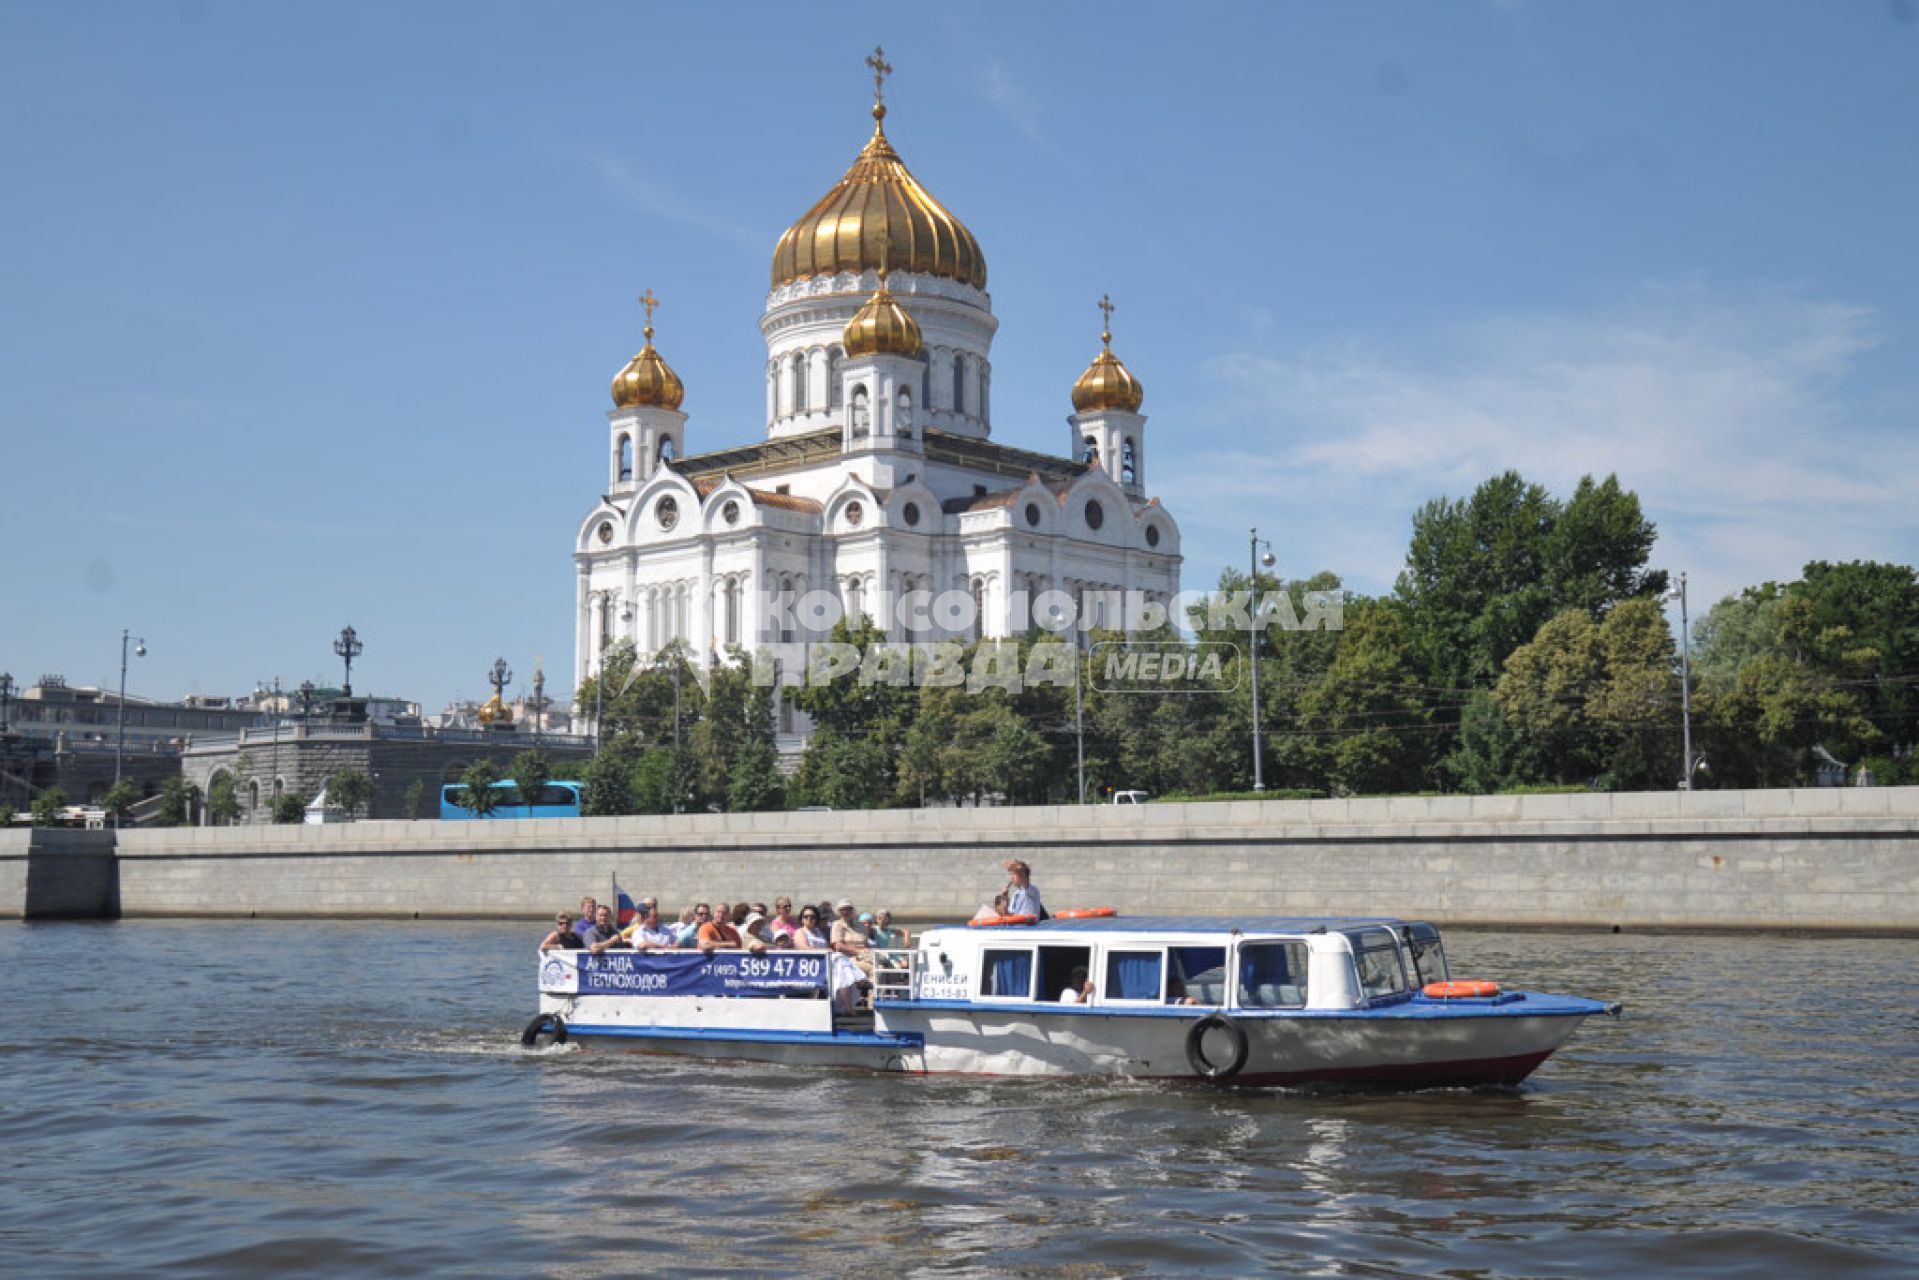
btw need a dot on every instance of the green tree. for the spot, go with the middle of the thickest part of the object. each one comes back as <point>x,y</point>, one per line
<point>290,809</point>
<point>531,771</point>
<point>1014,760</point>
<point>1598,700</point>
<point>609,783</point>
<point>413,799</point>
<point>351,789</point>
<point>223,799</point>
<point>756,785</point>
<point>1488,755</point>
<point>477,794</point>
<point>119,798</point>
<point>844,773</point>
<point>47,805</point>
<point>1367,715</point>
<point>7,813</point>
<point>1483,575</point>
<point>177,798</point>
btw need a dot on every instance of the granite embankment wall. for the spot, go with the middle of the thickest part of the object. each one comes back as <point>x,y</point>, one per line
<point>1805,859</point>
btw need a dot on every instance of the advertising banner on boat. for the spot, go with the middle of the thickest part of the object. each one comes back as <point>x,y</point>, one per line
<point>681,973</point>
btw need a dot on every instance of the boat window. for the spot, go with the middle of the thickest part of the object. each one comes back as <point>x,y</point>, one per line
<point>1133,975</point>
<point>1428,954</point>
<point>1056,966</point>
<point>1198,973</point>
<point>1272,975</point>
<point>1007,975</point>
<point>1376,956</point>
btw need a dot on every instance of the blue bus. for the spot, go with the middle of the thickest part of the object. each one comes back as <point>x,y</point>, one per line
<point>556,800</point>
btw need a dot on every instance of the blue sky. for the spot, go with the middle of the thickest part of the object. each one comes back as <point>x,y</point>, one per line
<point>307,312</point>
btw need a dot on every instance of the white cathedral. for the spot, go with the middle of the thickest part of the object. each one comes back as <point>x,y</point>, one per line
<point>878,482</point>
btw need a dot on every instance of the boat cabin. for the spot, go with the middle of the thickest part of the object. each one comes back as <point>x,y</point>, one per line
<point>1138,963</point>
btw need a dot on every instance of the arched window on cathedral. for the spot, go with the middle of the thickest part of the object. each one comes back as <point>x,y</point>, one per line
<point>732,611</point>
<point>1128,463</point>
<point>861,418</point>
<point>835,394</point>
<point>789,601</point>
<point>799,383</point>
<point>959,383</point>
<point>606,624</point>
<point>979,608</point>
<point>985,393</point>
<point>926,384</point>
<point>854,609</point>
<point>666,450</point>
<point>1089,454</point>
<point>626,457</point>
<point>903,413</point>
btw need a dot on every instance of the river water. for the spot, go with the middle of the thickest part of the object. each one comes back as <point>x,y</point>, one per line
<point>268,1098</point>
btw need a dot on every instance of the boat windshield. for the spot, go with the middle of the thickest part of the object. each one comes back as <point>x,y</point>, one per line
<point>1376,956</point>
<point>1427,953</point>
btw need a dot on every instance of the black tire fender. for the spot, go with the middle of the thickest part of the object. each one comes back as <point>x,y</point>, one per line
<point>1205,1067</point>
<point>547,1024</point>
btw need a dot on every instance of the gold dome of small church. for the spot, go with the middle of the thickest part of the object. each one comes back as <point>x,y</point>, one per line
<point>647,379</point>
<point>878,199</point>
<point>494,711</point>
<point>1107,384</point>
<point>882,327</point>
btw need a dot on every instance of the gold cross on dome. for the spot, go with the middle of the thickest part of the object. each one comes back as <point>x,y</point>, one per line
<point>881,69</point>
<point>1106,309</point>
<point>648,301</point>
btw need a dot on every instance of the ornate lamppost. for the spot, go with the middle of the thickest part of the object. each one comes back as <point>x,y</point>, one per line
<point>348,646</point>
<point>1689,766</point>
<point>1252,640</point>
<point>500,677</point>
<point>120,736</point>
<point>306,700</point>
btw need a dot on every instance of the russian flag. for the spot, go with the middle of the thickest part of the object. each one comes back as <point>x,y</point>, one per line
<point>626,912</point>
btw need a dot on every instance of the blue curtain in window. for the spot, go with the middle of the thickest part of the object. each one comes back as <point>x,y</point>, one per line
<point>1011,973</point>
<point>1259,965</point>
<point>1133,977</point>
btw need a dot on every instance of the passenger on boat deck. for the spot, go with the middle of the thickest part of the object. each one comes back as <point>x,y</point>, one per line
<point>753,930</point>
<point>653,935</point>
<point>690,921</point>
<point>782,942</point>
<point>1022,895</point>
<point>718,934</point>
<point>741,910</point>
<point>584,921</point>
<point>807,937</point>
<point>783,922</point>
<point>885,934</point>
<point>1079,987</point>
<point>1176,990</point>
<point>563,938</point>
<point>850,938</point>
<point>607,934</point>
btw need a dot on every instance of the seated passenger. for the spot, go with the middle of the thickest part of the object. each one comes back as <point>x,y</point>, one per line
<point>1176,991</point>
<point>753,930</point>
<point>584,921</point>
<point>807,937</point>
<point>688,930</point>
<point>652,935</point>
<point>1079,987</point>
<point>605,934</point>
<point>718,934</point>
<point>850,939</point>
<point>783,922</point>
<point>885,934</point>
<point>562,938</point>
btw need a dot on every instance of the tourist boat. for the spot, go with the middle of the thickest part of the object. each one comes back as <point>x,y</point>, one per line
<point>1254,1001</point>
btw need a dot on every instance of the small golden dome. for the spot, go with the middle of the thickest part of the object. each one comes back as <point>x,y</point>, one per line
<point>648,379</point>
<point>882,327</point>
<point>1107,384</point>
<point>878,198</point>
<point>493,710</point>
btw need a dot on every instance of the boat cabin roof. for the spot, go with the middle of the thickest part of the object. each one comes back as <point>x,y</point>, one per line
<point>1188,924</point>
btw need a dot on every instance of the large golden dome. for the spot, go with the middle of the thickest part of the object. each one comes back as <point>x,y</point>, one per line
<point>648,380</point>
<point>882,327</point>
<point>878,198</point>
<point>1107,384</point>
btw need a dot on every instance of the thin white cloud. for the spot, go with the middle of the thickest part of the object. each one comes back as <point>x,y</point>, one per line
<point>1011,99</point>
<point>1731,418</point>
<point>655,198</point>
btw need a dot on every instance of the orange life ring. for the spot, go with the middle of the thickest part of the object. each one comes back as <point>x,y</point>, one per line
<point>987,922</point>
<point>1460,990</point>
<point>1084,913</point>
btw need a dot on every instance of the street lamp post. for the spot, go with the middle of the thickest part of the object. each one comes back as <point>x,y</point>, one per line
<point>275,788</point>
<point>348,646</point>
<point>6,698</point>
<point>120,736</point>
<point>599,663</point>
<point>1254,560</point>
<point>306,701</point>
<point>1685,685</point>
<point>500,677</point>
